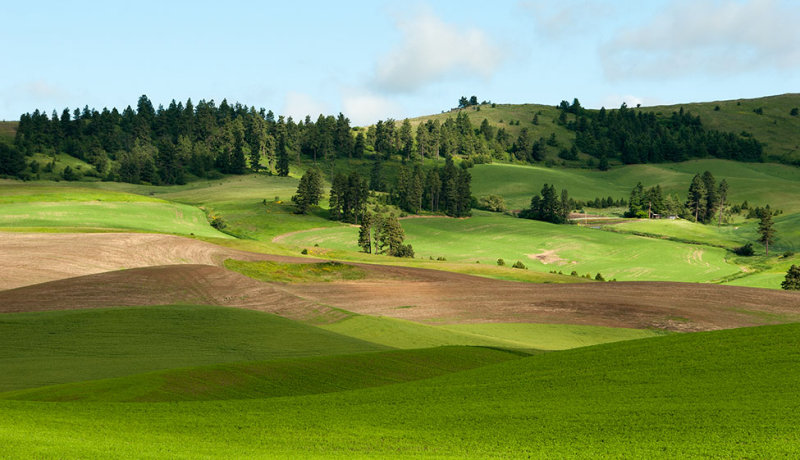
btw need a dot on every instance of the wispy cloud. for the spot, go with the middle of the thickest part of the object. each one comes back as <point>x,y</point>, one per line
<point>565,19</point>
<point>298,105</point>
<point>432,50</point>
<point>708,37</point>
<point>365,108</point>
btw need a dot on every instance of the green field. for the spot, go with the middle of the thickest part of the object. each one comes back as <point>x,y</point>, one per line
<point>296,273</point>
<point>271,379</point>
<point>725,394</point>
<point>485,237</point>
<point>65,346</point>
<point>758,183</point>
<point>531,337</point>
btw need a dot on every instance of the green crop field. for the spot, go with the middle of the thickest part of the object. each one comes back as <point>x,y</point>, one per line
<point>65,346</point>
<point>724,394</point>
<point>398,333</point>
<point>485,237</point>
<point>758,183</point>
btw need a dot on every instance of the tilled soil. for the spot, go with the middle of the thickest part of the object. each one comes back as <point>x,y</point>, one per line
<point>61,271</point>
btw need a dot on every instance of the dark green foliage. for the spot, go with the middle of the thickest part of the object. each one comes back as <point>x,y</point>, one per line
<point>746,250</point>
<point>69,174</point>
<point>766,231</point>
<point>792,281</point>
<point>520,265</point>
<point>696,199</point>
<point>599,277</point>
<point>794,112</point>
<point>635,136</point>
<point>217,222</point>
<point>501,262</point>
<point>548,207</point>
<point>12,161</point>
<point>309,191</point>
<point>389,237</point>
<point>348,198</point>
<point>445,190</point>
<point>365,233</point>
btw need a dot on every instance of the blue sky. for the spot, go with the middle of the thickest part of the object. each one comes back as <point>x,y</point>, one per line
<point>379,59</point>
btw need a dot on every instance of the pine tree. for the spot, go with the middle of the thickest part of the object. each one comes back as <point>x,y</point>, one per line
<point>309,191</point>
<point>283,156</point>
<point>711,196</point>
<point>792,280</point>
<point>722,194</point>
<point>766,230</point>
<point>365,233</point>
<point>696,200</point>
<point>376,175</point>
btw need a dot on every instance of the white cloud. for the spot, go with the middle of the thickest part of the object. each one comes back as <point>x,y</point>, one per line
<point>567,18</point>
<point>432,50</point>
<point>708,37</point>
<point>613,101</point>
<point>298,105</point>
<point>364,108</point>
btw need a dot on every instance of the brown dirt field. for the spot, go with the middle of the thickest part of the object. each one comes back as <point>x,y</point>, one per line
<point>32,258</point>
<point>83,271</point>
<point>163,285</point>
<point>464,299</point>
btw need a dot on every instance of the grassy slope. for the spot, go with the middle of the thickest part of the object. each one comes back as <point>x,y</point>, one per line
<point>67,346</point>
<point>8,129</point>
<point>726,394</point>
<point>286,377</point>
<point>296,273</point>
<point>487,237</point>
<point>761,184</point>
<point>36,205</point>
<point>406,334</point>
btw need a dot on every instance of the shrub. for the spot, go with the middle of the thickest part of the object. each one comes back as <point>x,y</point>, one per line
<point>519,264</point>
<point>501,262</point>
<point>788,254</point>
<point>574,273</point>
<point>218,222</point>
<point>304,251</point>
<point>792,281</point>
<point>599,277</point>
<point>746,250</point>
<point>494,203</point>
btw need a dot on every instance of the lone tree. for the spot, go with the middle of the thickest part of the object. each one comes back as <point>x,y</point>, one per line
<point>792,281</point>
<point>365,233</point>
<point>309,191</point>
<point>766,230</point>
<point>696,200</point>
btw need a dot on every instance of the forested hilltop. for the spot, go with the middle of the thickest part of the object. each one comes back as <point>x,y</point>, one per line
<point>173,144</point>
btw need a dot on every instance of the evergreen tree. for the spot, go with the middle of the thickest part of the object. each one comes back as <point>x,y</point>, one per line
<point>696,200</point>
<point>360,145</point>
<point>711,196</point>
<point>765,230</point>
<point>365,233</point>
<point>376,175</point>
<point>722,195</point>
<point>12,161</point>
<point>309,191</point>
<point>792,280</point>
<point>282,156</point>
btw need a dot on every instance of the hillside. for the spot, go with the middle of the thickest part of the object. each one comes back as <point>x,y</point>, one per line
<point>774,127</point>
<point>7,131</point>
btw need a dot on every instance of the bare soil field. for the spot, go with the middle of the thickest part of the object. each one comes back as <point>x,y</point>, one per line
<point>661,305</point>
<point>32,258</point>
<point>60,271</point>
<point>163,285</point>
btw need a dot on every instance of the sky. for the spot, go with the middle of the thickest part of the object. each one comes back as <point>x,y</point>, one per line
<point>394,59</point>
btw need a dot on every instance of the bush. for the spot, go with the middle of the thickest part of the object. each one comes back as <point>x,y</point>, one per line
<point>788,254</point>
<point>746,250</point>
<point>405,250</point>
<point>501,262</point>
<point>218,222</point>
<point>493,203</point>
<point>304,251</point>
<point>574,273</point>
<point>599,277</point>
<point>519,264</point>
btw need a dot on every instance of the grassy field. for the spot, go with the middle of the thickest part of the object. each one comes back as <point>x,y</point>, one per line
<point>398,333</point>
<point>724,394</point>
<point>8,129</point>
<point>278,378</point>
<point>296,273</point>
<point>485,237</point>
<point>759,184</point>
<point>67,346</point>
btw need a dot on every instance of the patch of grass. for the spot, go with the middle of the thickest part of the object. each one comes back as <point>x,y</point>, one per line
<point>296,273</point>
<point>46,348</point>
<point>285,377</point>
<point>399,333</point>
<point>723,394</point>
<point>683,231</point>
<point>544,247</point>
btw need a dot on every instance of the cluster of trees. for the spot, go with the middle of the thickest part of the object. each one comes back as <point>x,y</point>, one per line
<point>549,206</point>
<point>12,161</point>
<point>162,145</point>
<point>705,199</point>
<point>309,191</point>
<point>444,190</point>
<point>601,203</point>
<point>383,235</point>
<point>635,136</point>
<point>349,196</point>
